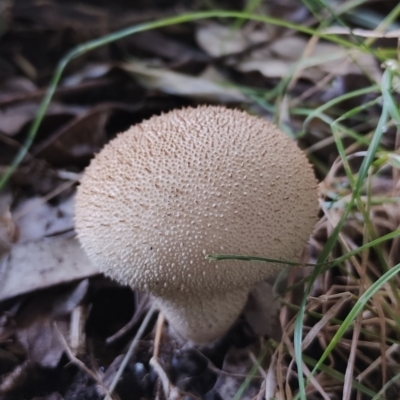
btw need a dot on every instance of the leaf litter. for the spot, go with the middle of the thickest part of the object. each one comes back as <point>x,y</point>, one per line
<point>64,329</point>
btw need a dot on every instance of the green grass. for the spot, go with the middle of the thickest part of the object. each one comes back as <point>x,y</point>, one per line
<point>360,200</point>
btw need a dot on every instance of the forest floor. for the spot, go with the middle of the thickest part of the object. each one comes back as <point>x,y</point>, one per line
<point>325,72</point>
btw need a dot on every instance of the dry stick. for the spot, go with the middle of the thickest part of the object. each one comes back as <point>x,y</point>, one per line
<point>339,30</point>
<point>381,317</point>
<point>286,341</point>
<point>219,371</point>
<point>77,361</point>
<point>394,348</point>
<point>140,309</point>
<point>348,378</point>
<point>253,358</point>
<point>280,350</point>
<point>271,381</point>
<point>77,332</point>
<point>307,372</point>
<point>261,392</point>
<point>132,347</point>
<point>59,189</point>
<point>157,338</point>
<point>312,90</point>
<point>170,391</point>
<point>288,390</point>
<point>395,171</point>
<point>314,331</point>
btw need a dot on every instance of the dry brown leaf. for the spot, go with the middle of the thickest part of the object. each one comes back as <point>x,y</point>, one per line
<point>44,263</point>
<point>198,87</point>
<point>88,72</point>
<point>14,117</point>
<point>16,85</point>
<point>268,66</point>
<point>218,40</point>
<point>37,219</point>
<point>163,46</point>
<point>279,58</point>
<point>77,141</point>
<point>35,324</point>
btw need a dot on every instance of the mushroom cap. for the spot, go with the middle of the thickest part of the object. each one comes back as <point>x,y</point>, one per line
<point>191,182</point>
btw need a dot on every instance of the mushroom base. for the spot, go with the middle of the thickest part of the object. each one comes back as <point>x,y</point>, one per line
<point>202,318</point>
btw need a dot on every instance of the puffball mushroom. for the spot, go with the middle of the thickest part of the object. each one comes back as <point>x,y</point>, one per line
<point>162,195</point>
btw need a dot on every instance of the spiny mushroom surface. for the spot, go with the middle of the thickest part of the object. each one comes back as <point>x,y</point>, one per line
<point>191,182</point>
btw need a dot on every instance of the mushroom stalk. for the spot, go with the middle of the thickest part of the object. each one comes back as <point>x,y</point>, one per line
<point>202,318</point>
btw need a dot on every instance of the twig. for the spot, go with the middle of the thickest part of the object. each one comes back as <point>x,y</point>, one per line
<point>171,391</point>
<point>157,338</point>
<point>16,378</point>
<point>140,310</point>
<point>270,380</point>
<point>132,347</point>
<point>78,362</point>
<point>77,331</point>
<point>253,358</point>
<point>59,189</point>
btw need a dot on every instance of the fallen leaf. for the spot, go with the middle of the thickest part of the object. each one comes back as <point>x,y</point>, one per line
<point>37,218</point>
<point>198,87</point>
<point>88,72</point>
<point>219,40</point>
<point>16,85</point>
<point>279,58</point>
<point>44,263</point>
<point>269,67</point>
<point>15,117</point>
<point>37,178</point>
<point>77,141</point>
<point>161,45</point>
<point>36,331</point>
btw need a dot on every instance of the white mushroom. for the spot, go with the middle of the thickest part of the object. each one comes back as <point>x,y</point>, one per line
<point>192,182</point>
